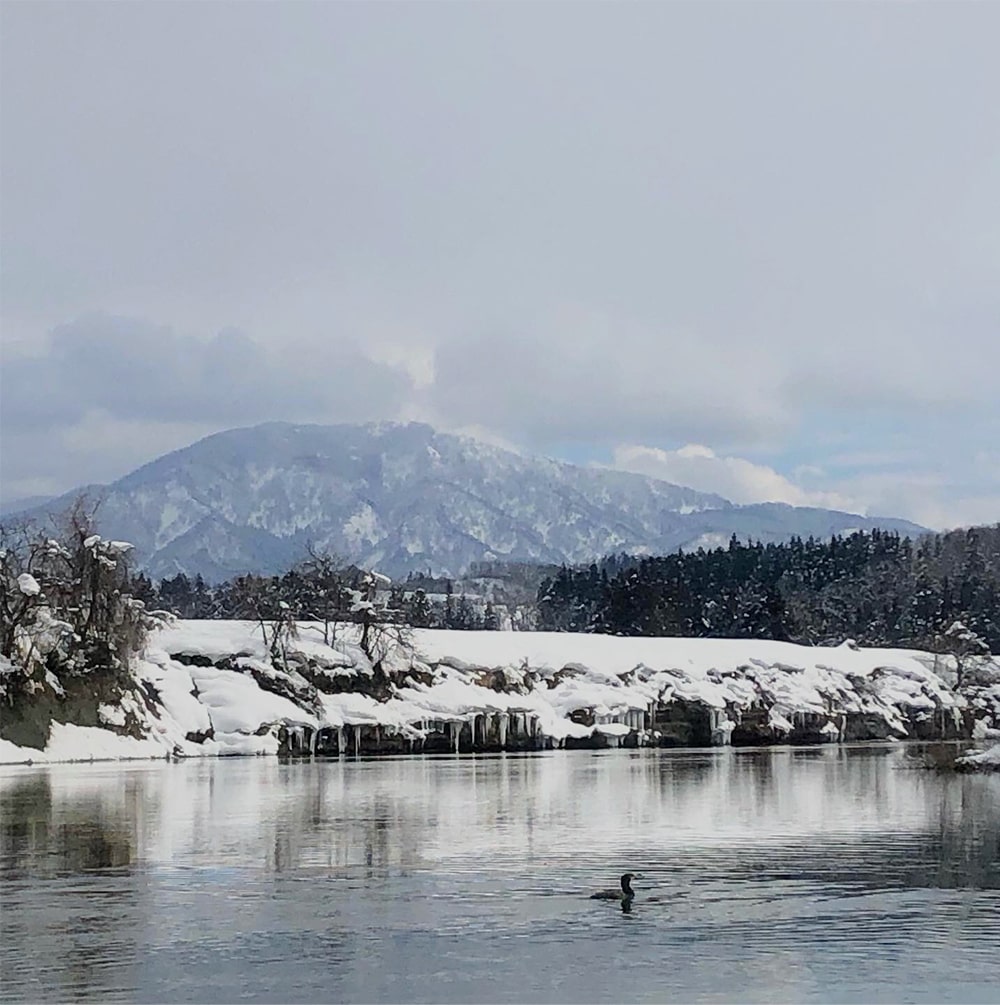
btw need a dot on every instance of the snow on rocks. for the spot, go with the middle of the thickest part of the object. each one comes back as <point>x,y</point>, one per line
<point>213,688</point>
<point>984,699</point>
<point>981,760</point>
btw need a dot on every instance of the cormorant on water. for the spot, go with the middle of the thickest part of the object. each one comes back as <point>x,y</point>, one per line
<point>626,893</point>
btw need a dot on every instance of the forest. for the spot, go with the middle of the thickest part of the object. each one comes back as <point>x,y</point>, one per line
<point>874,587</point>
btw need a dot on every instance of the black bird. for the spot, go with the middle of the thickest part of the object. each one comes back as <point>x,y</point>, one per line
<point>626,893</point>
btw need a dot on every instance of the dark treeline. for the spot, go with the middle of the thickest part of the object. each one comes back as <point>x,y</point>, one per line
<point>308,594</point>
<point>491,596</point>
<point>877,588</point>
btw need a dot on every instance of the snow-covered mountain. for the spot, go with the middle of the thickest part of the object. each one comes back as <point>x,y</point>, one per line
<point>404,497</point>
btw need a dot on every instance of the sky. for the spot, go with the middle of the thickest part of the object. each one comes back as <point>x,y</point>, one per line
<point>753,248</point>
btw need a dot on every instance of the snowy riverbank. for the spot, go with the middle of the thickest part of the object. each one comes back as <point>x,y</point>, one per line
<point>209,688</point>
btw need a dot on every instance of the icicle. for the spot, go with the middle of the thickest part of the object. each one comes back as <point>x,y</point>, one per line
<point>455,728</point>
<point>357,741</point>
<point>341,742</point>
<point>502,730</point>
<point>720,736</point>
<point>314,736</point>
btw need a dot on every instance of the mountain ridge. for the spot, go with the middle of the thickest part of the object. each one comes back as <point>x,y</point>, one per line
<point>403,497</point>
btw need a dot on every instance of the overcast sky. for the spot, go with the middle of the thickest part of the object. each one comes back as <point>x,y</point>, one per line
<point>752,248</point>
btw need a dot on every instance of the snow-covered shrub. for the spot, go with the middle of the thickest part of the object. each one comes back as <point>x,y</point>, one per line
<point>65,605</point>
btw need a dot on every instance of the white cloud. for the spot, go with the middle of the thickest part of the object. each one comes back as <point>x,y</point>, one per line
<point>735,478</point>
<point>926,497</point>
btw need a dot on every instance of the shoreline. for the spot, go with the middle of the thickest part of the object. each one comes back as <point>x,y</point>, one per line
<point>450,757</point>
<point>212,688</point>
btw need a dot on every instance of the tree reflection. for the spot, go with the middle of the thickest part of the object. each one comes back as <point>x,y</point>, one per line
<point>25,818</point>
<point>71,922</point>
<point>76,835</point>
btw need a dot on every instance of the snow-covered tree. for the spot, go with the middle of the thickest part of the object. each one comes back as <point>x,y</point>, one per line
<point>65,602</point>
<point>381,628</point>
<point>965,647</point>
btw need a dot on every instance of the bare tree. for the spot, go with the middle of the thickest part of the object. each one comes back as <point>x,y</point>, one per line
<point>326,583</point>
<point>260,600</point>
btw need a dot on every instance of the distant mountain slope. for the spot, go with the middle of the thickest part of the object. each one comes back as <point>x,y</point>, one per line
<point>404,497</point>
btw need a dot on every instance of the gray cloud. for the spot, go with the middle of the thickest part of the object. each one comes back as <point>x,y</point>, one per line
<point>110,392</point>
<point>598,379</point>
<point>132,369</point>
<point>770,229</point>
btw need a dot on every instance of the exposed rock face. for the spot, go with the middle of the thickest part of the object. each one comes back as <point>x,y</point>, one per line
<point>81,699</point>
<point>683,723</point>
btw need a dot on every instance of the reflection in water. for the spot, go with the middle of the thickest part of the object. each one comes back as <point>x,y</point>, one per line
<point>88,840</point>
<point>802,874</point>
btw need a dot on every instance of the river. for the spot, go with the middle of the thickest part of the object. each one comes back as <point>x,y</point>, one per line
<point>841,874</point>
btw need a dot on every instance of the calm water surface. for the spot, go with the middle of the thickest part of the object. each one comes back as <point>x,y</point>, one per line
<point>782,875</point>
